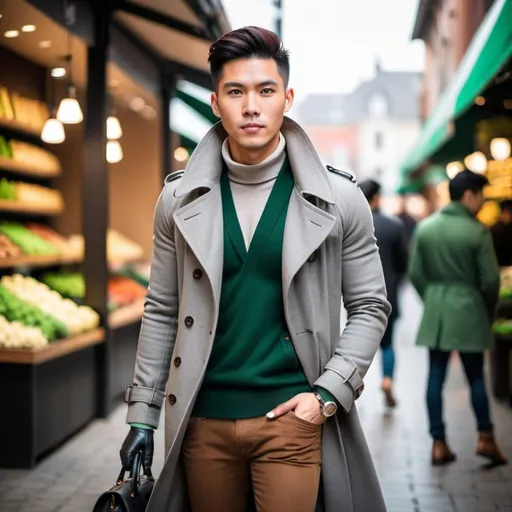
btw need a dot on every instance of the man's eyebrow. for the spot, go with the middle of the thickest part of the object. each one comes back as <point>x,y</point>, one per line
<point>242,86</point>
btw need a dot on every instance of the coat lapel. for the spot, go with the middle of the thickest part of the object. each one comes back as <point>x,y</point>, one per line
<point>201,225</point>
<point>306,229</point>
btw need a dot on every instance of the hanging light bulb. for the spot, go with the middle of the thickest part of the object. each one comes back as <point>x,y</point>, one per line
<point>453,168</point>
<point>114,130</point>
<point>114,152</point>
<point>476,162</point>
<point>53,132</point>
<point>69,111</point>
<point>500,148</point>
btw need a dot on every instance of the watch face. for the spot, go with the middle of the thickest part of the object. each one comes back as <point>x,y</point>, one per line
<point>330,409</point>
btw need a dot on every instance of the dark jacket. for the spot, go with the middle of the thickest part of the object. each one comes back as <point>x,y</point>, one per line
<point>502,240</point>
<point>393,248</point>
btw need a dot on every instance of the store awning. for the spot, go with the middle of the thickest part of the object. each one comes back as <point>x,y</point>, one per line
<point>197,98</point>
<point>489,50</point>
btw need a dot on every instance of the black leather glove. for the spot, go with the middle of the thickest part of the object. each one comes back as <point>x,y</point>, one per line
<point>138,440</point>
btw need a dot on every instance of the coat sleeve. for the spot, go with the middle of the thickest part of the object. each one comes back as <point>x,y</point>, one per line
<point>158,332</point>
<point>416,269</point>
<point>488,273</point>
<point>364,294</point>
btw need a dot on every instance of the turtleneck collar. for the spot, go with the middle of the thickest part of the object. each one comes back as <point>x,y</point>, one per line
<point>258,173</point>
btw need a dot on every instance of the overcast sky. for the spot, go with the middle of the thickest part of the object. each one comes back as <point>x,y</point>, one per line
<point>334,43</point>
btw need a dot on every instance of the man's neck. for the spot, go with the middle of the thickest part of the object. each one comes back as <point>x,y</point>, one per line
<point>252,156</point>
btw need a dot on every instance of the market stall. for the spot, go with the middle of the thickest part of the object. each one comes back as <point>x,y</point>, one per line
<point>85,143</point>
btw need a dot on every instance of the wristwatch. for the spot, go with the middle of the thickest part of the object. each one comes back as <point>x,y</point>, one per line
<point>328,408</point>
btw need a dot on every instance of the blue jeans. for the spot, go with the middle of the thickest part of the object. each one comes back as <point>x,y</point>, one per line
<point>388,354</point>
<point>473,364</point>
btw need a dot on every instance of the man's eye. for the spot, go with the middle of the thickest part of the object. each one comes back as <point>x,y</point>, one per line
<point>235,92</point>
<point>267,90</point>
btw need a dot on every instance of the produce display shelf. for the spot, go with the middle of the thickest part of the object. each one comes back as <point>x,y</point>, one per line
<point>8,205</point>
<point>38,261</point>
<point>52,350</point>
<point>126,315</point>
<point>11,165</point>
<point>14,124</point>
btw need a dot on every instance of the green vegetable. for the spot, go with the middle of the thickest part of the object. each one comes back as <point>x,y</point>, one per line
<point>28,242</point>
<point>17,310</point>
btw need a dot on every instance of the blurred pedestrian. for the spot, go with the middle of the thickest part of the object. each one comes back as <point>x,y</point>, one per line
<point>406,218</point>
<point>502,235</point>
<point>393,249</point>
<point>454,269</point>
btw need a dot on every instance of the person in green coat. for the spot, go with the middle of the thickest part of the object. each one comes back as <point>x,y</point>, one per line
<point>454,270</point>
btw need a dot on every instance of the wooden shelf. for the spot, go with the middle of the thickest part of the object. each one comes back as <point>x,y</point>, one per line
<point>51,261</point>
<point>8,205</point>
<point>14,166</point>
<point>52,350</point>
<point>13,124</point>
<point>37,261</point>
<point>126,315</point>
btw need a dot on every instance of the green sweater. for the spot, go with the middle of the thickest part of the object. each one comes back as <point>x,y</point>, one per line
<point>253,365</point>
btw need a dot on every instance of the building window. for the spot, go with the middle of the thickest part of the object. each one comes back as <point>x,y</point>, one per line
<point>379,140</point>
<point>378,106</point>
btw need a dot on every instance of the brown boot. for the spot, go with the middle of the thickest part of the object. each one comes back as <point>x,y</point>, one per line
<point>388,393</point>
<point>488,448</point>
<point>441,453</point>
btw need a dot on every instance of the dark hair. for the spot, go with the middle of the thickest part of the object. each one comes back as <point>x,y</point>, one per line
<point>466,180</point>
<point>370,189</point>
<point>506,205</point>
<point>245,43</point>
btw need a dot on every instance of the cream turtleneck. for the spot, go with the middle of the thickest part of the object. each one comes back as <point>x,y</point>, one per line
<point>251,186</point>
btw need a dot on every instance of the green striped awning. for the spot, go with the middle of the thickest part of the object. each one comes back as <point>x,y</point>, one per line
<point>489,50</point>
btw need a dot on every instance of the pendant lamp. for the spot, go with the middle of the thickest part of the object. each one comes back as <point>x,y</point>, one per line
<point>114,152</point>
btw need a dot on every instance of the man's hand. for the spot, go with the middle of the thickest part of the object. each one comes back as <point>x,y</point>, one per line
<point>138,440</point>
<point>304,405</point>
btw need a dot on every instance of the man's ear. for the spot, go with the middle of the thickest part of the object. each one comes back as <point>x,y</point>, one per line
<point>290,96</point>
<point>215,104</point>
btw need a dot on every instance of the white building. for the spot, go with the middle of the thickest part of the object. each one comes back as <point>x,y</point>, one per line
<point>379,122</point>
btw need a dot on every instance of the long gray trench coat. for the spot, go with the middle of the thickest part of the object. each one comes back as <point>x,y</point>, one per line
<point>328,218</point>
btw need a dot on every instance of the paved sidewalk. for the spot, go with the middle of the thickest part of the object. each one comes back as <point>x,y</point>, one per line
<point>73,477</point>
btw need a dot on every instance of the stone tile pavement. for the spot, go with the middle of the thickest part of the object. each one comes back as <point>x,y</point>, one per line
<point>72,478</point>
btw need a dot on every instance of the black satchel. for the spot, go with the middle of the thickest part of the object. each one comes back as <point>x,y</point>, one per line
<point>131,495</point>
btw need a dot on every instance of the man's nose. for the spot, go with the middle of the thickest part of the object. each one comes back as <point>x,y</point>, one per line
<point>251,106</point>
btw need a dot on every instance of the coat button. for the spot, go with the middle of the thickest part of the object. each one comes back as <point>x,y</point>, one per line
<point>313,257</point>
<point>287,338</point>
<point>172,399</point>
<point>177,362</point>
<point>189,321</point>
<point>198,273</point>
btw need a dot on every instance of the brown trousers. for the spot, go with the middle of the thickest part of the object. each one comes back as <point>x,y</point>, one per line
<point>281,458</point>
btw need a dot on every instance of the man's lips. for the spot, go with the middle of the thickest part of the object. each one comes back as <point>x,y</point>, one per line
<point>252,127</point>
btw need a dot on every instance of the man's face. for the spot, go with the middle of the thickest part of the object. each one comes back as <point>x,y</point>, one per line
<point>251,101</point>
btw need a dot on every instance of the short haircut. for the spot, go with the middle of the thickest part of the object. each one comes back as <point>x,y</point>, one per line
<point>246,43</point>
<point>506,205</point>
<point>370,189</point>
<point>466,180</point>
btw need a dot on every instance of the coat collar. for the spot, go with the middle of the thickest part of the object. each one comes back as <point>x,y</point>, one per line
<point>205,166</point>
<point>458,209</point>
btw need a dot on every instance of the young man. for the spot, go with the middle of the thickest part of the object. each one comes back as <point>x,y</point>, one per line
<point>453,267</point>
<point>393,249</point>
<point>254,245</point>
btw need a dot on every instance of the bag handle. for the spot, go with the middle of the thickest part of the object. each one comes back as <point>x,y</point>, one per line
<point>134,473</point>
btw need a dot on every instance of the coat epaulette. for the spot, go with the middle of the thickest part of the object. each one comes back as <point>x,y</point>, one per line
<point>173,176</point>
<point>345,174</point>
